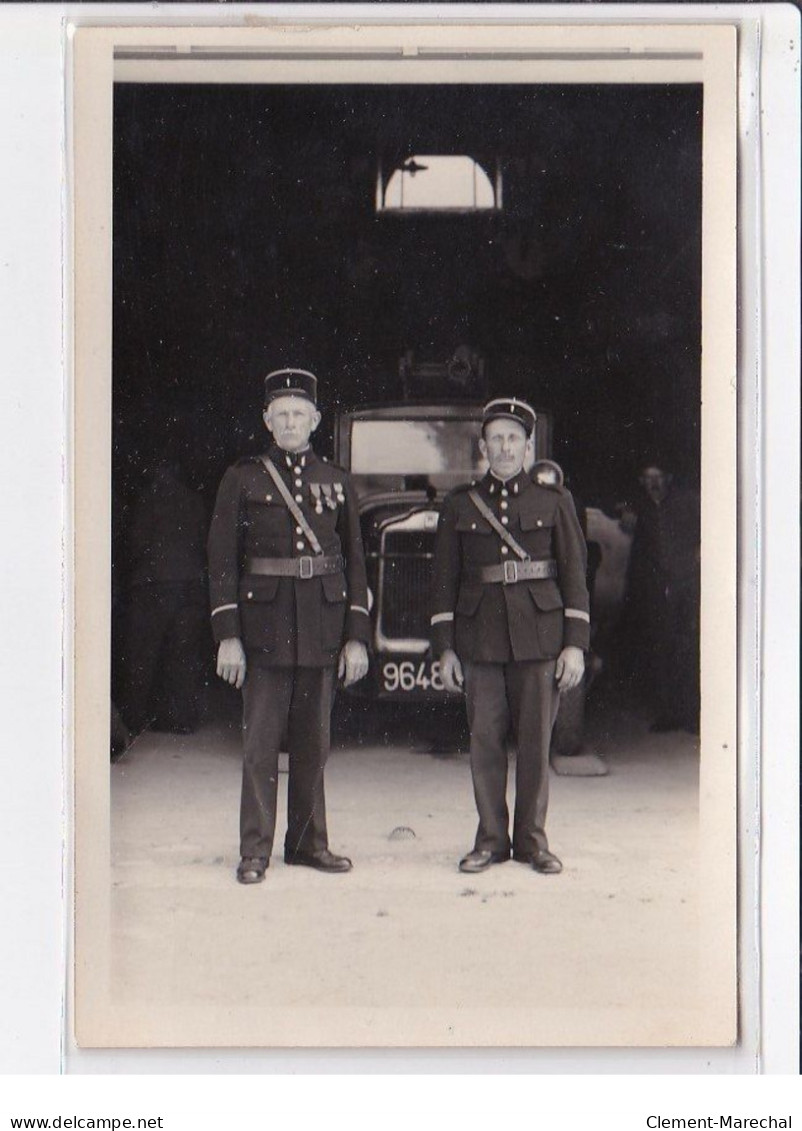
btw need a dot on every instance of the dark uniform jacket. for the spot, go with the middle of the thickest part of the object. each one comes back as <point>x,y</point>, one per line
<point>287,621</point>
<point>491,622</point>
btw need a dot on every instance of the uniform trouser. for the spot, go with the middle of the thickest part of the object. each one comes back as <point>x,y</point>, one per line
<point>523,696</point>
<point>295,702</point>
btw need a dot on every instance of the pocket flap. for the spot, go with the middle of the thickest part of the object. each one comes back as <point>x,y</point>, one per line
<point>334,587</point>
<point>469,599</point>
<point>546,596</point>
<point>255,588</point>
<point>533,518</point>
<point>473,524</point>
<point>265,498</point>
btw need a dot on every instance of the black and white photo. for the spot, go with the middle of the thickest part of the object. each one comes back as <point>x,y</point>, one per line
<point>496,273</point>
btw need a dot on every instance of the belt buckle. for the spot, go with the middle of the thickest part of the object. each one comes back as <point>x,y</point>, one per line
<point>306,568</point>
<point>510,573</point>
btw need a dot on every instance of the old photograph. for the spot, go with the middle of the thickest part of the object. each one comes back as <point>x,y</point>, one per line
<point>404,438</point>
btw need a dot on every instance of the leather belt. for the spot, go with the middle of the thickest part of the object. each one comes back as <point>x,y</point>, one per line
<point>304,568</point>
<point>508,573</point>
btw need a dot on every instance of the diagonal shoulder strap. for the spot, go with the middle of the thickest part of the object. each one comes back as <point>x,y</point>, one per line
<point>292,506</point>
<point>503,533</point>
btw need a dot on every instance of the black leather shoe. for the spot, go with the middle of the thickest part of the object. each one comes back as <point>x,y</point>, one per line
<point>542,861</point>
<point>324,861</point>
<point>481,859</point>
<point>251,869</point>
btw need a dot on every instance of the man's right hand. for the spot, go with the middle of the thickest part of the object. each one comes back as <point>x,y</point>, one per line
<point>231,664</point>
<point>451,671</point>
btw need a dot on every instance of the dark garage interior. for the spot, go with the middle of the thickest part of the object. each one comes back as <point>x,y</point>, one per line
<point>246,237</point>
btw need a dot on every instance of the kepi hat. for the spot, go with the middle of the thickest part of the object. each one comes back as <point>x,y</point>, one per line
<point>510,408</point>
<point>291,383</point>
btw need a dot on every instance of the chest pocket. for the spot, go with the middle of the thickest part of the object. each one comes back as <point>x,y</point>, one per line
<point>535,518</point>
<point>263,502</point>
<point>267,524</point>
<point>473,524</point>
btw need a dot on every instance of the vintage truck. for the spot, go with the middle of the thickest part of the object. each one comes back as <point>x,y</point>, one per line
<point>404,459</point>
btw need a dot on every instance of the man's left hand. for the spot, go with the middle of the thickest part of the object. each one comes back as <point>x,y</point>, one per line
<point>570,668</point>
<point>353,664</point>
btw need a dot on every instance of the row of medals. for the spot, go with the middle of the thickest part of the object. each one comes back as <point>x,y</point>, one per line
<point>328,494</point>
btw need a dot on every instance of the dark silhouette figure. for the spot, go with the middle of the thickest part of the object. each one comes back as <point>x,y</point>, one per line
<point>663,598</point>
<point>164,635</point>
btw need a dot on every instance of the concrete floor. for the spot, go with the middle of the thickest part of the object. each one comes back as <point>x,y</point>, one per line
<point>405,948</point>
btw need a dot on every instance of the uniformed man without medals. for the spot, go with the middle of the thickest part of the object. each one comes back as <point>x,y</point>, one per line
<point>510,624</point>
<point>289,611</point>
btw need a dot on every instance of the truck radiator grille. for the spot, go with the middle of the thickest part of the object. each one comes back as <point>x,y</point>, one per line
<point>407,560</point>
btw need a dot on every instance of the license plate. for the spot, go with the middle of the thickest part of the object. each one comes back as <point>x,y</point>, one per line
<point>410,676</point>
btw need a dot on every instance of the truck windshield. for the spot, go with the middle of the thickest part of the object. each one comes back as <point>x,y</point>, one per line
<point>416,447</point>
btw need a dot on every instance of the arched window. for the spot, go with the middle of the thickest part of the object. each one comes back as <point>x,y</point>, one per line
<point>438,183</point>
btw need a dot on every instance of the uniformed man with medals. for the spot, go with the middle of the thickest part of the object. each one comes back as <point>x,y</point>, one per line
<point>510,624</point>
<point>289,615</point>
